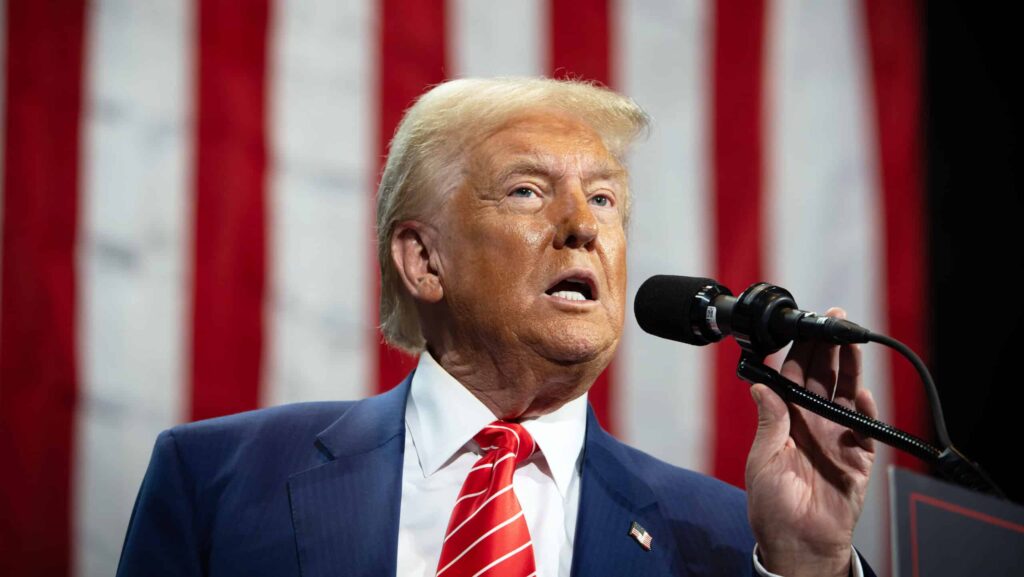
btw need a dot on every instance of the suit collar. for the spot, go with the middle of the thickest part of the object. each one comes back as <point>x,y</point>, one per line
<point>369,424</point>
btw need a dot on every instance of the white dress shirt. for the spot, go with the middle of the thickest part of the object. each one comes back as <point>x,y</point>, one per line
<point>441,419</point>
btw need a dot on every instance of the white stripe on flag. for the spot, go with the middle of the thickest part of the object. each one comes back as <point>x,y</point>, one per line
<point>824,214</point>
<point>663,64</point>
<point>497,38</point>
<point>133,239</point>
<point>320,234</point>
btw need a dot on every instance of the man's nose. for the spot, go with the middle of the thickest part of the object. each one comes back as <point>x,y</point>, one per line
<point>576,224</point>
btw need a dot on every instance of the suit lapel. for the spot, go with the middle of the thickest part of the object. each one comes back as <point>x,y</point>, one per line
<point>345,512</point>
<point>612,497</point>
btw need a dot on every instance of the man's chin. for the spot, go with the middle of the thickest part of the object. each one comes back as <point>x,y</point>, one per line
<point>584,348</point>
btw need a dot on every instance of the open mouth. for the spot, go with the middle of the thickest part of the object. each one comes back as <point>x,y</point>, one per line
<point>573,289</point>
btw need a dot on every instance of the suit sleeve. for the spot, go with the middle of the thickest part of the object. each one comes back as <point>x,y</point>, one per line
<point>162,537</point>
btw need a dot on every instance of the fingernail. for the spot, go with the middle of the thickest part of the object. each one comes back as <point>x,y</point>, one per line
<point>756,394</point>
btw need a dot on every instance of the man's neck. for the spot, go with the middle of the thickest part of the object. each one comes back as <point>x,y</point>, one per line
<point>515,388</point>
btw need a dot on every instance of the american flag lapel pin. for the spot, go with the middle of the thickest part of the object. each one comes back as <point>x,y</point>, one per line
<point>641,535</point>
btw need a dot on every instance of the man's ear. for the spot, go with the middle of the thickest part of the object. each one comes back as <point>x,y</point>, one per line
<point>412,246</point>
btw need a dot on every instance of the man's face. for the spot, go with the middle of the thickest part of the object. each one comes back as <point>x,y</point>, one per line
<point>532,246</point>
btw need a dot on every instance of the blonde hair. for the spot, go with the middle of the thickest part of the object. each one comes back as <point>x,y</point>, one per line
<point>426,152</point>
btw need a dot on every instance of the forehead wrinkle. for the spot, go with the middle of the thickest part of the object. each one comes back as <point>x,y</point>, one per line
<point>533,164</point>
<point>554,168</point>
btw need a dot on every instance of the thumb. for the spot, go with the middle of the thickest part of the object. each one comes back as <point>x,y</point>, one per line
<point>772,429</point>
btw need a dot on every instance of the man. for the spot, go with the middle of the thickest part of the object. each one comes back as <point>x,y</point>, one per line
<point>502,233</point>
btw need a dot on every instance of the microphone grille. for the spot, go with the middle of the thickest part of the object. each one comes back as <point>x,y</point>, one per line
<point>663,304</point>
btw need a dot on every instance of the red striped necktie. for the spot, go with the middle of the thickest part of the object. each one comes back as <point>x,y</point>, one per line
<point>487,533</point>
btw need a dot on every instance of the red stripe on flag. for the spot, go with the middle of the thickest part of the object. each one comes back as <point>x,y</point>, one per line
<point>412,58</point>
<point>739,37</point>
<point>894,35</point>
<point>230,208</point>
<point>581,48</point>
<point>581,43</point>
<point>38,359</point>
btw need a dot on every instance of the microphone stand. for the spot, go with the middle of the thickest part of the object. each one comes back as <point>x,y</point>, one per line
<point>949,462</point>
<point>763,319</point>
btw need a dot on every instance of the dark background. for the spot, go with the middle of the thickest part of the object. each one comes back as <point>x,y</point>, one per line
<point>973,124</point>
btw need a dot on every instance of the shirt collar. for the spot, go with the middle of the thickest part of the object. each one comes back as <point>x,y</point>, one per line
<point>443,416</point>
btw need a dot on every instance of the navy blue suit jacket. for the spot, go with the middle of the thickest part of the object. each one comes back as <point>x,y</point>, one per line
<point>314,489</point>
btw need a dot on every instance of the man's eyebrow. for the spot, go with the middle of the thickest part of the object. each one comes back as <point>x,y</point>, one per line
<point>525,166</point>
<point>607,172</point>
<point>538,167</point>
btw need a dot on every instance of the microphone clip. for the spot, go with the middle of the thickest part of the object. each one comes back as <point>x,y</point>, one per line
<point>758,318</point>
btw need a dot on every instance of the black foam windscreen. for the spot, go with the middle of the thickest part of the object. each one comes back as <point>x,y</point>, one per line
<point>663,304</point>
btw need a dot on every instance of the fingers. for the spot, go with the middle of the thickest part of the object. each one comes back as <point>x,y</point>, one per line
<point>845,370</point>
<point>850,378</point>
<point>815,365</point>
<point>865,403</point>
<point>799,360</point>
<point>830,371</point>
<point>772,429</point>
<point>824,370</point>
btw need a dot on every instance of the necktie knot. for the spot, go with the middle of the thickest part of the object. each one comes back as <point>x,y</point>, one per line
<point>487,531</point>
<point>505,437</point>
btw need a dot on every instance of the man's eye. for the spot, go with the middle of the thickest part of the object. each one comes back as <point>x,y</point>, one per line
<point>523,192</point>
<point>601,200</point>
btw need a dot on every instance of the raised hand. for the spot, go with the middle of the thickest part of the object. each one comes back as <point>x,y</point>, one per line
<point>806,476</point>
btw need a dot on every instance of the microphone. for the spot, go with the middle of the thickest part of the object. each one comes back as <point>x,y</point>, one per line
<point>763,319</point>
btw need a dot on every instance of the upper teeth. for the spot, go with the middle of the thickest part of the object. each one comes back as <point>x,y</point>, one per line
<point>570,295</point>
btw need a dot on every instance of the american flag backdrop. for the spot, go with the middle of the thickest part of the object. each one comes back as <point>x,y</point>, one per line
<point>186,226</point>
